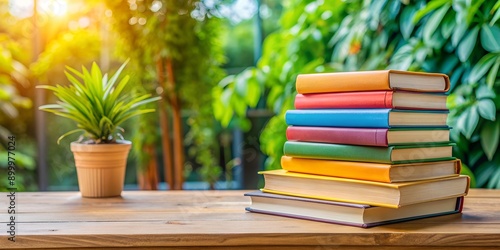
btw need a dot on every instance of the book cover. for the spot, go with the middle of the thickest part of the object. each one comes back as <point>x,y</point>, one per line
<point>372,99</point>
<point>392,195</point>
<point>359,215</point>
<point>373,171</point>
<point>392,154</point>
<point>366,118</point>
<point>381,137</point>
<point>371,80</point>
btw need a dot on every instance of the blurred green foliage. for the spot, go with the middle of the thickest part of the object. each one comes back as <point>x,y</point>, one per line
<point>86,32</point>
<point>239,38</point>
<point>185,33</point>
<point>456,37</point>
<point>72,39</point>
<point>15,106</point>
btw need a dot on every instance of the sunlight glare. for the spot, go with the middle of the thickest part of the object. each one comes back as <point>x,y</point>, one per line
<point>155,6</point>
<point>53,7</point>
<point>84,22</point>
<point>21,8</point>
<point>24,8</point>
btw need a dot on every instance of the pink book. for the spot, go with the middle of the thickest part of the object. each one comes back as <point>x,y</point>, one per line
<point>382,137</point>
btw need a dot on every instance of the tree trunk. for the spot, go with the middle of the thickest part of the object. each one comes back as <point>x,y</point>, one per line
<point>178,135</point>
<point>148,178</point>
<point>165,128</point>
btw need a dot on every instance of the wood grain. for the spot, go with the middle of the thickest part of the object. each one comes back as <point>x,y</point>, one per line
<point>217,219</point>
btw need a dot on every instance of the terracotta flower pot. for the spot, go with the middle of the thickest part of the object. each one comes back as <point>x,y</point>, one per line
<point>101,168</point>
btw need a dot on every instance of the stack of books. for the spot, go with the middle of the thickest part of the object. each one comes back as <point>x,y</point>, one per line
<point>364,149</point>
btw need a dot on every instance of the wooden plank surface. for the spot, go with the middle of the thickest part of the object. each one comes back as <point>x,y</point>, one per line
<point>216,219</point>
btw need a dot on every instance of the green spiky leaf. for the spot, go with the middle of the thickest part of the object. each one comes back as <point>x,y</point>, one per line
<point>96,104</point>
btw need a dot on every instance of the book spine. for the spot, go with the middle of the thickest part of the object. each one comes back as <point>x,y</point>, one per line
<point>344,169</point>
<point>342,82</point>
<point>353,136</point>
<point>468,185</point>
<point>351,118</point>
<point>460,204</point>
<point>458,166</point>
<point>345,100</point>
<point>337,152</point>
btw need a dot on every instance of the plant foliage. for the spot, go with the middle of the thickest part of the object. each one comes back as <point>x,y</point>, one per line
<point>185,33</point>
<point>455,37</point>
<point>13,108</point>
<point>97,104</point>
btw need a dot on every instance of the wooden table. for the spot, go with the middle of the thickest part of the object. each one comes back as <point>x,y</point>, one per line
<point>217,219</point>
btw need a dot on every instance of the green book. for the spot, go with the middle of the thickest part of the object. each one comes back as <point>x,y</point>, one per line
<point>392,154</point>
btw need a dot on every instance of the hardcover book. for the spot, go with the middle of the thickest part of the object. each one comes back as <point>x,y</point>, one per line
<point>366,118</point>
<point>393,195</point>
<point>359,215</point>
<point>392,154</point>
<point>373,171</point>
<point>381,137</point>
<point>372,80</point>
<point>372,99</point>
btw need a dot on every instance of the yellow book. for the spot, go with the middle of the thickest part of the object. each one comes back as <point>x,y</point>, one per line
<point>363,192</point>
<point>373,171</point>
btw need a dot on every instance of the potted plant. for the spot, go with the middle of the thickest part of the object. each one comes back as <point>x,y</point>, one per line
<point>98,105</point>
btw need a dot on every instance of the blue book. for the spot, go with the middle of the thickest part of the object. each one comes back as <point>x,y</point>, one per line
<point>366,118</point>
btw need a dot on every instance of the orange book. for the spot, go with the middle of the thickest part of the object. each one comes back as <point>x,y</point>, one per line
<point>372,80</point>
<point>387,173</point>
